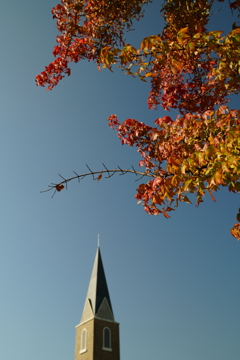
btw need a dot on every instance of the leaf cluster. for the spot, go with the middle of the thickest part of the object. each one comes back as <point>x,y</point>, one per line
<point>195,154</point>
<point>189,68</point>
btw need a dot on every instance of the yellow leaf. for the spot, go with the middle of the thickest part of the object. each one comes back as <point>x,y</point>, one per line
<point>183,169</point>
<point>182,35</point>
<point>150,42</point>
<point>218,178</point>
<point>211,140</point>
<point>185,199</point>
<point>210,150</point>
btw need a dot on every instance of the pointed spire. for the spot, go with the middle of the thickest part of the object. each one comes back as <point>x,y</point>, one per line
<point>98,299</point>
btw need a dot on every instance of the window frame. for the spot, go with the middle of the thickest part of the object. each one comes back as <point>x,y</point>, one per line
<point>83,343</point>
<point>108,348</point>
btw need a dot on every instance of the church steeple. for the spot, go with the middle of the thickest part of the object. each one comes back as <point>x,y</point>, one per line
<point>97,335</point>
<point>98,296</point>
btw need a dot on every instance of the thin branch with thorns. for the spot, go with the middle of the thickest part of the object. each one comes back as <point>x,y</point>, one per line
<point>61,185</point>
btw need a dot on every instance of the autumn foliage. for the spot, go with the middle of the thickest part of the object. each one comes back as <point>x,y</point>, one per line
<point>190,69</point>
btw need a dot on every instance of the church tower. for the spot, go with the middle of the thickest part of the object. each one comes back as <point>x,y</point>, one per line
<point>97,335</point>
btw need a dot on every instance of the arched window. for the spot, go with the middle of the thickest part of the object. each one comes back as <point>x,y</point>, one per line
<point>107,338</point>
<point>83,341</point>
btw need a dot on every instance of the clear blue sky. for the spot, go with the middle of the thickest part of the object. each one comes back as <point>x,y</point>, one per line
<point>174,284</point>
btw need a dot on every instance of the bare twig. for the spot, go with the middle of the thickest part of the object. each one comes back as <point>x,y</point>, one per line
<point>91,171</point>
<point>77,176</point>
<point>59,186</point>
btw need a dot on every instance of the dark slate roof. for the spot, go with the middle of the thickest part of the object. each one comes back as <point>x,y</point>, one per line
<point>98,289</point>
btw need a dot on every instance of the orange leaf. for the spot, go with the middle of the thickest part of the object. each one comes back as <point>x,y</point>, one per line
<point>212,197</point>
<point>166,214</point>
<point>182,35</point>
<point>157,199</point>
<point>235,231</point>
<point>99,177</point>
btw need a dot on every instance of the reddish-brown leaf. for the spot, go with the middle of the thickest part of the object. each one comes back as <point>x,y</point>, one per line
<point>59,187</point>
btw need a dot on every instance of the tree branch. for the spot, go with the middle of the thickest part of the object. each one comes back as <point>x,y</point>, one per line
<point>60,186</point>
